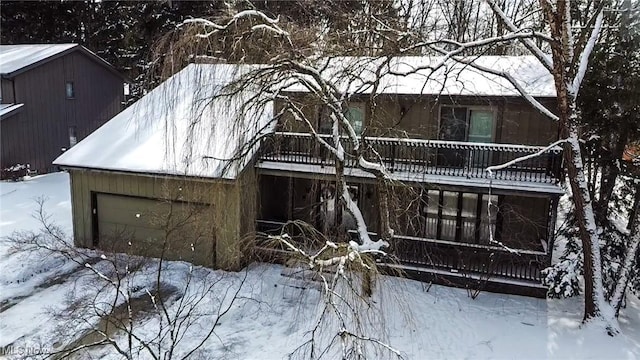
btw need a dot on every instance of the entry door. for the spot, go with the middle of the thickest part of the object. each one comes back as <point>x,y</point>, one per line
<point>453,126</point>
<point>481,130</point>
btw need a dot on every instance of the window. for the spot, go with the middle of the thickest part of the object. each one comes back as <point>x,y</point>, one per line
<point>431,213</point>
<point>329,200</point>
<point>73,137</point>
<point>466,124</point>
<point>355,113</point>
<point>468,217</point>
<point>70,90</point>
<point>457,216</point>
<point>448,220</point>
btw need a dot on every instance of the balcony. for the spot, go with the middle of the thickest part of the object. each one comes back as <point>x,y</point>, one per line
<point>408,159</point>
<point>466,265</point>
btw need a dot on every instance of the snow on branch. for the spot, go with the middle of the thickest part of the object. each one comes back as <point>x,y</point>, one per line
<point>269,24</point>
<point>584,56</point>
<point>535,103</point>
<point>493,168</point>
<point>530,45</point>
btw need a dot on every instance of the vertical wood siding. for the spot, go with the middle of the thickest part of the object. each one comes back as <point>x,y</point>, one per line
<point>37,135</point>
<point>233,206</point>
<point>417,117</point>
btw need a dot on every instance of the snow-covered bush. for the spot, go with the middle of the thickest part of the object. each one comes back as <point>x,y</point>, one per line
<point>562,279</point>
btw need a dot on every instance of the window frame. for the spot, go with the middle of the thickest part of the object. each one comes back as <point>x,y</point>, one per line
<point>323,118</point>
<point>69,85</point>
<point>469,109</point>
<point>479,217</point>
<point>73,135</point>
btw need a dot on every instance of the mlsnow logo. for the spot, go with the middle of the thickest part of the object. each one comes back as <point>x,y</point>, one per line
<point>23,350</point>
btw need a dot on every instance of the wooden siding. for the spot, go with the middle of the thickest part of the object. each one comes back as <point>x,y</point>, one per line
<point>232,206</point>
<point>517,122</point>
<point>38,136</point>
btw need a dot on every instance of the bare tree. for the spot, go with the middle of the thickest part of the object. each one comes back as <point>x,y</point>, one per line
<point>133,305</point>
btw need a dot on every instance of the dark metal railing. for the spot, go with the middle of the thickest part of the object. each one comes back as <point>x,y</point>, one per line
<point>464,259</point>
<point>470,259</point>
<point>432,157</point>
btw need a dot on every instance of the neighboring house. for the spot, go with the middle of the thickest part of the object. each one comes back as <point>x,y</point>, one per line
<point>435,134</point>
<point>52,96</point>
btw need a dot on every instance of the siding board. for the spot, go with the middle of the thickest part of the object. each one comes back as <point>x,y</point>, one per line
<point>418,117</point>
<point>232,209</point>
<point>47,114</point>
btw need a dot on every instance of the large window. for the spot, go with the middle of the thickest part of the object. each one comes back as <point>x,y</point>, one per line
<point>465,124</point>
<point>457,216</point>
<point>355,113</point>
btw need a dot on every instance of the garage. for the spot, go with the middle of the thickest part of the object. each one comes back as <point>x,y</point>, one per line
<point>154,227</point>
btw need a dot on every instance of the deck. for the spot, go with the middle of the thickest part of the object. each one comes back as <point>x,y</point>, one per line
<point>416,160</point>
<point>473,266</point>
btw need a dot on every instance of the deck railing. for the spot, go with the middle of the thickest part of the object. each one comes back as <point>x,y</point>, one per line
<point>432,157</point>
<point>459,258</point>
<point>470,259</point>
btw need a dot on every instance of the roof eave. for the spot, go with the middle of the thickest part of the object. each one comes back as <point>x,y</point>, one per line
<point>145,174</point>
<point>60,54</point>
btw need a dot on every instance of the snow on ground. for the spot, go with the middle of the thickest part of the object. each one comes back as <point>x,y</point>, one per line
<point>276,312</point>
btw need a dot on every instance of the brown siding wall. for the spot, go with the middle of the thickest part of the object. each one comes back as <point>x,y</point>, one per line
<point>232,207</point>
<point>43,129</point>
<point>10,129</point>
<point>522,124</point>
<point>517,122</point>
<point>525,222</point>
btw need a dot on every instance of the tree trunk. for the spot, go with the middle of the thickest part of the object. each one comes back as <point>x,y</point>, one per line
<point>593,292</point>
<point>383,200</point>
<point>610,172</point>
<point>630,257</point>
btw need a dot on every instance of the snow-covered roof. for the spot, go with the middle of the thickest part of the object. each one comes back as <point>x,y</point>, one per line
<point>179,128</point>
<point>424,75</point>
<point>7,108</point>
<point>15,59</point>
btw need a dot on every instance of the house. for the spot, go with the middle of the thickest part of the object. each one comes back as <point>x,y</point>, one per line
<point>437,132</point>
<point>51,97</point>
<point>177,152</point>
<point>162,177</point>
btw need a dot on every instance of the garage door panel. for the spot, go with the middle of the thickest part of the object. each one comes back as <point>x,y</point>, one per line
<point>130,211</point>
<point>145,224</point>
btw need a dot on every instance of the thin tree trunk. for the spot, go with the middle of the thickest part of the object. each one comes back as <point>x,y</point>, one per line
<point>583,207</point>
<point>383,201</point>
<point>630,257</point>
<point>610,172</point>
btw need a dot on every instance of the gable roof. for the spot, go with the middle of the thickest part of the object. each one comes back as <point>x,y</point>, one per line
<point>179,128</point>
<point>422,75</point>
<point>16,59</point>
